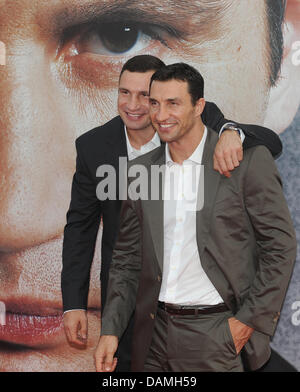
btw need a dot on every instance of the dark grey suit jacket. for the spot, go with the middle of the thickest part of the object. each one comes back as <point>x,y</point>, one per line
<point>246,244</point>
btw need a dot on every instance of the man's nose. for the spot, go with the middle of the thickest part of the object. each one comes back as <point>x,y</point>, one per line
<point>133,103</point>
<point>36,155</point>
<point>162,114</point>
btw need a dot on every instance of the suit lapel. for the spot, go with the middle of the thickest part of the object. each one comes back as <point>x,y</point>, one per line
<point>116,155</point>
<point>154,209</point>
<point>211,183</point>
<point>116,142</point>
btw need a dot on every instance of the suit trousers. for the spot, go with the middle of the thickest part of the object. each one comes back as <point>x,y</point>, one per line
<point>184,343</point>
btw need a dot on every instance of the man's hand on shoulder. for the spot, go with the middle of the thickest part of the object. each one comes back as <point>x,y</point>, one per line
<point>75,324</point>
<point>228,152</point>
<point>104,354</point>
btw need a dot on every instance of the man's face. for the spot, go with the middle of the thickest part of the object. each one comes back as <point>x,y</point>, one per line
<point>60,80</point>
<point>171,110</point>
<point>133,99</point>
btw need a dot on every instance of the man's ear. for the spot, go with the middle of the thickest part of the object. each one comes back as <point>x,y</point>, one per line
<point>200,105</point>
<point>285,96</point>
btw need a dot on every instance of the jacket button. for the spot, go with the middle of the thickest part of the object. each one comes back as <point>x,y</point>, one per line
<point>152,316</point>
<point>159,278</point>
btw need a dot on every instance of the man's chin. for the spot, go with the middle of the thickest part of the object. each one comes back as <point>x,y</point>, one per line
<point>165,137</point>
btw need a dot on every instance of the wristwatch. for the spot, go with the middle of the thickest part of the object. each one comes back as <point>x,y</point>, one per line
<point>233,128</point>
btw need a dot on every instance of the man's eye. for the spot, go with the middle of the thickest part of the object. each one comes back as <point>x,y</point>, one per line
<point>93,53</point>
<point>115,39</point>
<point>118,38</point>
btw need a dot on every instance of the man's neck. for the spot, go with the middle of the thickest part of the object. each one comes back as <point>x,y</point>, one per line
<point>138,138</point>
<point>184,147</point>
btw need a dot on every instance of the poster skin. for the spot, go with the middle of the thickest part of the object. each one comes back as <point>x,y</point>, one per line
<point>60,61</point>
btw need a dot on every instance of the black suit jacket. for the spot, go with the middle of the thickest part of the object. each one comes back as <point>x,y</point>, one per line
<point>104,145</point>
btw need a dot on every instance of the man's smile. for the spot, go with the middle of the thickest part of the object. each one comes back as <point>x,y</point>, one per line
<point>135,116</point>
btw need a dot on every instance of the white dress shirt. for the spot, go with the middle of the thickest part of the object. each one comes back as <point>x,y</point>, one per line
<point>151,145</point>
<point>184,281</point>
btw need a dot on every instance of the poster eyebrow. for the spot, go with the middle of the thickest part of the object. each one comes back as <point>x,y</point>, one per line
<point>198,11</point>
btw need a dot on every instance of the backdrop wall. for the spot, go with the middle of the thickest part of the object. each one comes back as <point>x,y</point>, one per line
<point>60,62</point>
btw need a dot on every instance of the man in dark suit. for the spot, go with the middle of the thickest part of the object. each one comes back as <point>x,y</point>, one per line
<point>105,145</point>
<point>207,275</point>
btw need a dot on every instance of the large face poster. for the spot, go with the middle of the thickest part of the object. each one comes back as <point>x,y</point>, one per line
<point>60,62</point>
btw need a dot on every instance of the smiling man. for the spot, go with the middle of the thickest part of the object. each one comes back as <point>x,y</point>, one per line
<point>63,60</point>
<point>205,283</point>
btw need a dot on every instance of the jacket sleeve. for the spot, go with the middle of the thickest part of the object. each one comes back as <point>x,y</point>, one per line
<point>124,273</point>
<point>254,134</point>
<point>80,233</point>
<point>275,239</point>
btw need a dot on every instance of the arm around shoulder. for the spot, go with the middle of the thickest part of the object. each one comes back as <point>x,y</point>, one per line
<point>255,135</point>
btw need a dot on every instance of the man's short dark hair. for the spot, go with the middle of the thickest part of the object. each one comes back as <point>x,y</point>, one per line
<point>142,63</point>
<point>185,73</point>
<point>275,15</point>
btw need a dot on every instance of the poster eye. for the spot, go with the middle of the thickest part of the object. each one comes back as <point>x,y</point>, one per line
<point>119,38</point>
